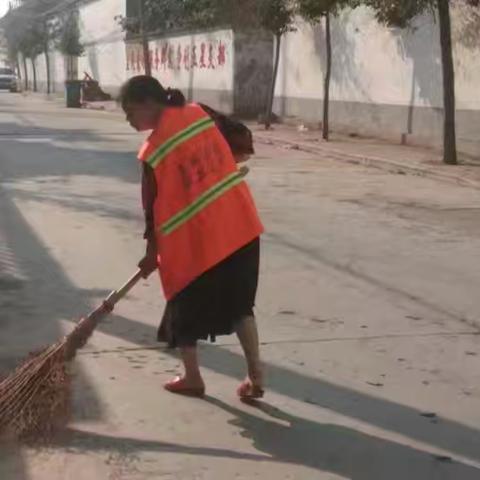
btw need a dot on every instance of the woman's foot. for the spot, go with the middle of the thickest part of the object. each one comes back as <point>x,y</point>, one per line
<point>250,390</point>
<point>187,387</point>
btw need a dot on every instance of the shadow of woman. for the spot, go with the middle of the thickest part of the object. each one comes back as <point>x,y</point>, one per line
<point>338,449</point>
<point>80,442</point>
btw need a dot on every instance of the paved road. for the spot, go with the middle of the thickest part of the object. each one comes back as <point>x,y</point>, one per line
<point>368,307</point>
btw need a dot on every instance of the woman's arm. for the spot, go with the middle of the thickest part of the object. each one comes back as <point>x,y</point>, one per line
<point>149,193</point>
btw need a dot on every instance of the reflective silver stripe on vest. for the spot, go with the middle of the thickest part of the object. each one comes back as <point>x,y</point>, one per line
<point>203,201</point>
<point>178,139</point>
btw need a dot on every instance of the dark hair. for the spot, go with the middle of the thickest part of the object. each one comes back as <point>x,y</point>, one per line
<point>141,88</point>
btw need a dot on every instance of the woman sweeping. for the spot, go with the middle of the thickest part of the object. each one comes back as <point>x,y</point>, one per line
<point>202,230</point>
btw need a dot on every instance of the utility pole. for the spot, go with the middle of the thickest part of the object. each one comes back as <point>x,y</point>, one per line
<point>144,36</point>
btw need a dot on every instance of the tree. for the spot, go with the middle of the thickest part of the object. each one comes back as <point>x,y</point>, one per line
<point>207,13</point>
<point>146,17</point>
<point>13,35</point>
<point>149,17</point>
<point>314,11</point>
<point>276,17</point>
<point>29,34</point>
<point>45,26</point>
<point>16,28</point>
<point>33,46</point>
<point>29,47</point>
<point>400,13</point>
<point>449,128</point>
<point>67,37</point>
<point>273,16</point>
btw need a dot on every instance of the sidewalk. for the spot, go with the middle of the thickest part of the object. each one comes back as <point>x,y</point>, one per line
<point>399,159</point>
<point>371,152</point>
<point>367,290</point>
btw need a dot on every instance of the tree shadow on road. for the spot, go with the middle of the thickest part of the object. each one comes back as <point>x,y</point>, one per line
<point>35,295</point>
<point>337,449</point>
<point>56,298</point>
<point>49,296</point>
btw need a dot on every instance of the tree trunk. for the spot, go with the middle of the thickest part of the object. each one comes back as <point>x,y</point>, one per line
<point>328,75</point>
<point>47,66</point>
<point>143,32</point>
<point>268,114</point>
<point>18,69</point>
<point>25,70</point>
<point>449,134</point>
<point>34,70</point>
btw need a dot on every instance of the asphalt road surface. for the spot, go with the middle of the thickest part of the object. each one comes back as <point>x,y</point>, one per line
<point>368,309</point>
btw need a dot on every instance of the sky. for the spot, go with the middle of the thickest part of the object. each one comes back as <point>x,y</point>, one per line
<point>3,7</point>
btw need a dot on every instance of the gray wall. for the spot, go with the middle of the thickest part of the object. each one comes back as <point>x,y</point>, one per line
<point>252,72</point>
<point>391,122</point>
<point>385,82</point>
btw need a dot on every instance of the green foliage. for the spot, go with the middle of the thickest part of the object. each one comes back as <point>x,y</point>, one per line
<point>399,13</point>
<point>211,13</point>
<point>314,10</point>
<point>13,30</point>
<point>276,16</point>
<point>28,28</point>
<point>159,15</point>
<point>67,35</point>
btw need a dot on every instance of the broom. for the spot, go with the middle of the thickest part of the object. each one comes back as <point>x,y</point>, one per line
<point>35,398</point>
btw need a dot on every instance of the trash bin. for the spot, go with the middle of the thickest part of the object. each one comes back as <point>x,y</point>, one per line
<point>73,93</point>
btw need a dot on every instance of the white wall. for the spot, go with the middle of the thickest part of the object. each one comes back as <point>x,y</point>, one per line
<point>201,65</point>
<point>105,57</point>
<point>57,72</point>
<point>377,65</point>
<point>384,81</point>
<point>466,37</point>
<point>111,61</point>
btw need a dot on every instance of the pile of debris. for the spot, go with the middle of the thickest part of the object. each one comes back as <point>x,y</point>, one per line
<point>91,91</point>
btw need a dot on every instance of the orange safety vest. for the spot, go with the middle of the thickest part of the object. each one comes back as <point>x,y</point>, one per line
<point>203,211</point>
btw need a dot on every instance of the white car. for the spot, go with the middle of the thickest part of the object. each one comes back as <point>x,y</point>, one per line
<point>8,79</point>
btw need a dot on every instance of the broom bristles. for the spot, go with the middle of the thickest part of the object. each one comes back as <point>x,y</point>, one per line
<point>35,398</point>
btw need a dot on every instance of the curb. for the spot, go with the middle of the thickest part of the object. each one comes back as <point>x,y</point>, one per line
<point>101,107</point>
<point>390,166</point>
<point>379,163</point>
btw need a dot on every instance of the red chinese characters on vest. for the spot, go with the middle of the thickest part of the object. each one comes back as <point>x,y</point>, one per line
<point>204,210</point>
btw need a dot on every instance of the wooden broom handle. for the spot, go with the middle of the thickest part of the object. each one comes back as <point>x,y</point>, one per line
<point>117,295</point>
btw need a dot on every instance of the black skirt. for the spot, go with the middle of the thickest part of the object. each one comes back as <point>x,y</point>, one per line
<point>215,302</point>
